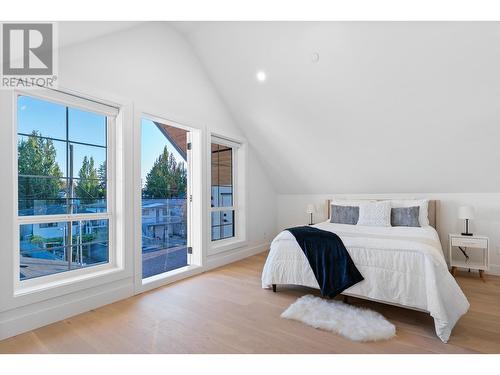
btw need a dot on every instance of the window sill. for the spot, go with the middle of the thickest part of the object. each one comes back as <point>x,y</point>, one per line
<point>157,281</point>
<point>26,287</point>
<point>221,246</point>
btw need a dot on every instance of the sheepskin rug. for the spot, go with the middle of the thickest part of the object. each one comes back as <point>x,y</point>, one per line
<point>351,322</point>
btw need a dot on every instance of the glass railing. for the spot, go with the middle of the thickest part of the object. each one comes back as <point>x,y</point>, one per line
<point>164,235</point>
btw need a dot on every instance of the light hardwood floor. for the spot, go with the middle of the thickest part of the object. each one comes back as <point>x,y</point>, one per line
<point>226,311</point>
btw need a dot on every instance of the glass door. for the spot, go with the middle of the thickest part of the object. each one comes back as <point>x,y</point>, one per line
<point>165,202</point>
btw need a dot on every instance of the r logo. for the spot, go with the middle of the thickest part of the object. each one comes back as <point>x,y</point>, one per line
<point>27,49</point>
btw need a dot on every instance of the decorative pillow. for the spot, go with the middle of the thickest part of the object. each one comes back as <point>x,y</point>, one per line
<point>344,214</point>
<point>405,216</point>
<point>375,214</point>
<point>423,204</point>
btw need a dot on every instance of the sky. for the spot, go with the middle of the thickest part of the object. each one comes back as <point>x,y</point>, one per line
<point>152,144</point>
<point>49,119</point>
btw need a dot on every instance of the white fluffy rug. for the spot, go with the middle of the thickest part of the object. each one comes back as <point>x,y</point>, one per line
<point>354,323</point>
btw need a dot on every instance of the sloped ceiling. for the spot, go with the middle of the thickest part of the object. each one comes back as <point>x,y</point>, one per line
<point>390,107</point>
<point>71,33</point>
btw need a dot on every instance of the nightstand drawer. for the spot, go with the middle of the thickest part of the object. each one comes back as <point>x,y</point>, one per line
<point>481,243</point>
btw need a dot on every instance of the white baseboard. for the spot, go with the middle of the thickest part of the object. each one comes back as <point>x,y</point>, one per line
<point>37,317</point>
<point>494,269</point>
<point>222,259</point>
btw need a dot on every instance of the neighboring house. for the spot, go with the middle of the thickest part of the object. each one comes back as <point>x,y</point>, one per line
<point>225,195</point>
<point>54,230</point>
<point>162,220</point>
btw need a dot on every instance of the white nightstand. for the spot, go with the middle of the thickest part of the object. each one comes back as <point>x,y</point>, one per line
<point>476,247</point>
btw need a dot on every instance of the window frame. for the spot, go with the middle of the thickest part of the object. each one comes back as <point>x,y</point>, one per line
<point>196,186</point>
<point>221,245</point>
<point>49,281</point>
<point>189,196</point>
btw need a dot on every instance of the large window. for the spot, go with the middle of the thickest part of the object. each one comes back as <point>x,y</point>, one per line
<point>222,189</point>
<point>63,195</point>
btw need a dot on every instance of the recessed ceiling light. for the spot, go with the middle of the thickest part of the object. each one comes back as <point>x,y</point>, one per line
<point>261,76</point>
<point>315,57</point>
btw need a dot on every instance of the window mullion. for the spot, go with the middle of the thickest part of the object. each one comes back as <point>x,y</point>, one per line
<point>60,218</point>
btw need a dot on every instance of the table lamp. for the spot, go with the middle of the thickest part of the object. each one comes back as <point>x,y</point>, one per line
<point>310,211</point>
<point>466,213</point>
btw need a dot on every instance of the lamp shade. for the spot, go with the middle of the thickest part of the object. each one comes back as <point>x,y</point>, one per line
<point>466,212</point>
<point>310,208</point>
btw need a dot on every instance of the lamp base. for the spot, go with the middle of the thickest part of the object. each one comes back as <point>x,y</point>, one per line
<point>466,229</point>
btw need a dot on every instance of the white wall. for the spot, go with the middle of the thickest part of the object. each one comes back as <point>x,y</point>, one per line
<point>149,68</point>
<point>291,212</point>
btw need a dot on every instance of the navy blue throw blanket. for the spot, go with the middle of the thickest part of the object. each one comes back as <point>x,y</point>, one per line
<point>331,263</point>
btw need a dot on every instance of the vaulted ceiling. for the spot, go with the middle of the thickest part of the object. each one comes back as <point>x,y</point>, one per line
<point>362,107</point>
<point>70,33</point>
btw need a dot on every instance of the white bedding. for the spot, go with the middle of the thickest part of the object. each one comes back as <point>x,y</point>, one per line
<point>401,265</point>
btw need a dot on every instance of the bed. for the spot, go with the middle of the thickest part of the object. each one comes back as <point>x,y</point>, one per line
<point>402,266</point>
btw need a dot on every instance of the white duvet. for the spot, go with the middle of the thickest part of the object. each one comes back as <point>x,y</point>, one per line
<point>401,265</point>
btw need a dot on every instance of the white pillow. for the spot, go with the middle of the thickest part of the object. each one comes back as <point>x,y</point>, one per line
<point>349,202</point>
<point>423,216</point>
<point>375,214</point>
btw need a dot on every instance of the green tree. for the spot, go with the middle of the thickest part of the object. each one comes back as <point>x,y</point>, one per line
<point>37,157</point>
<point>88,186</point>
<point>102,174</point>
<point>166,179</point>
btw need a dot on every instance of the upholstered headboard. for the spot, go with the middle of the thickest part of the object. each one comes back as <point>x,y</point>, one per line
<point>433,208</point>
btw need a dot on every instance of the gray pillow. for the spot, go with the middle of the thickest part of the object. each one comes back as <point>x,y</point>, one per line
<point>344,214</point>
<point>405,216</point>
